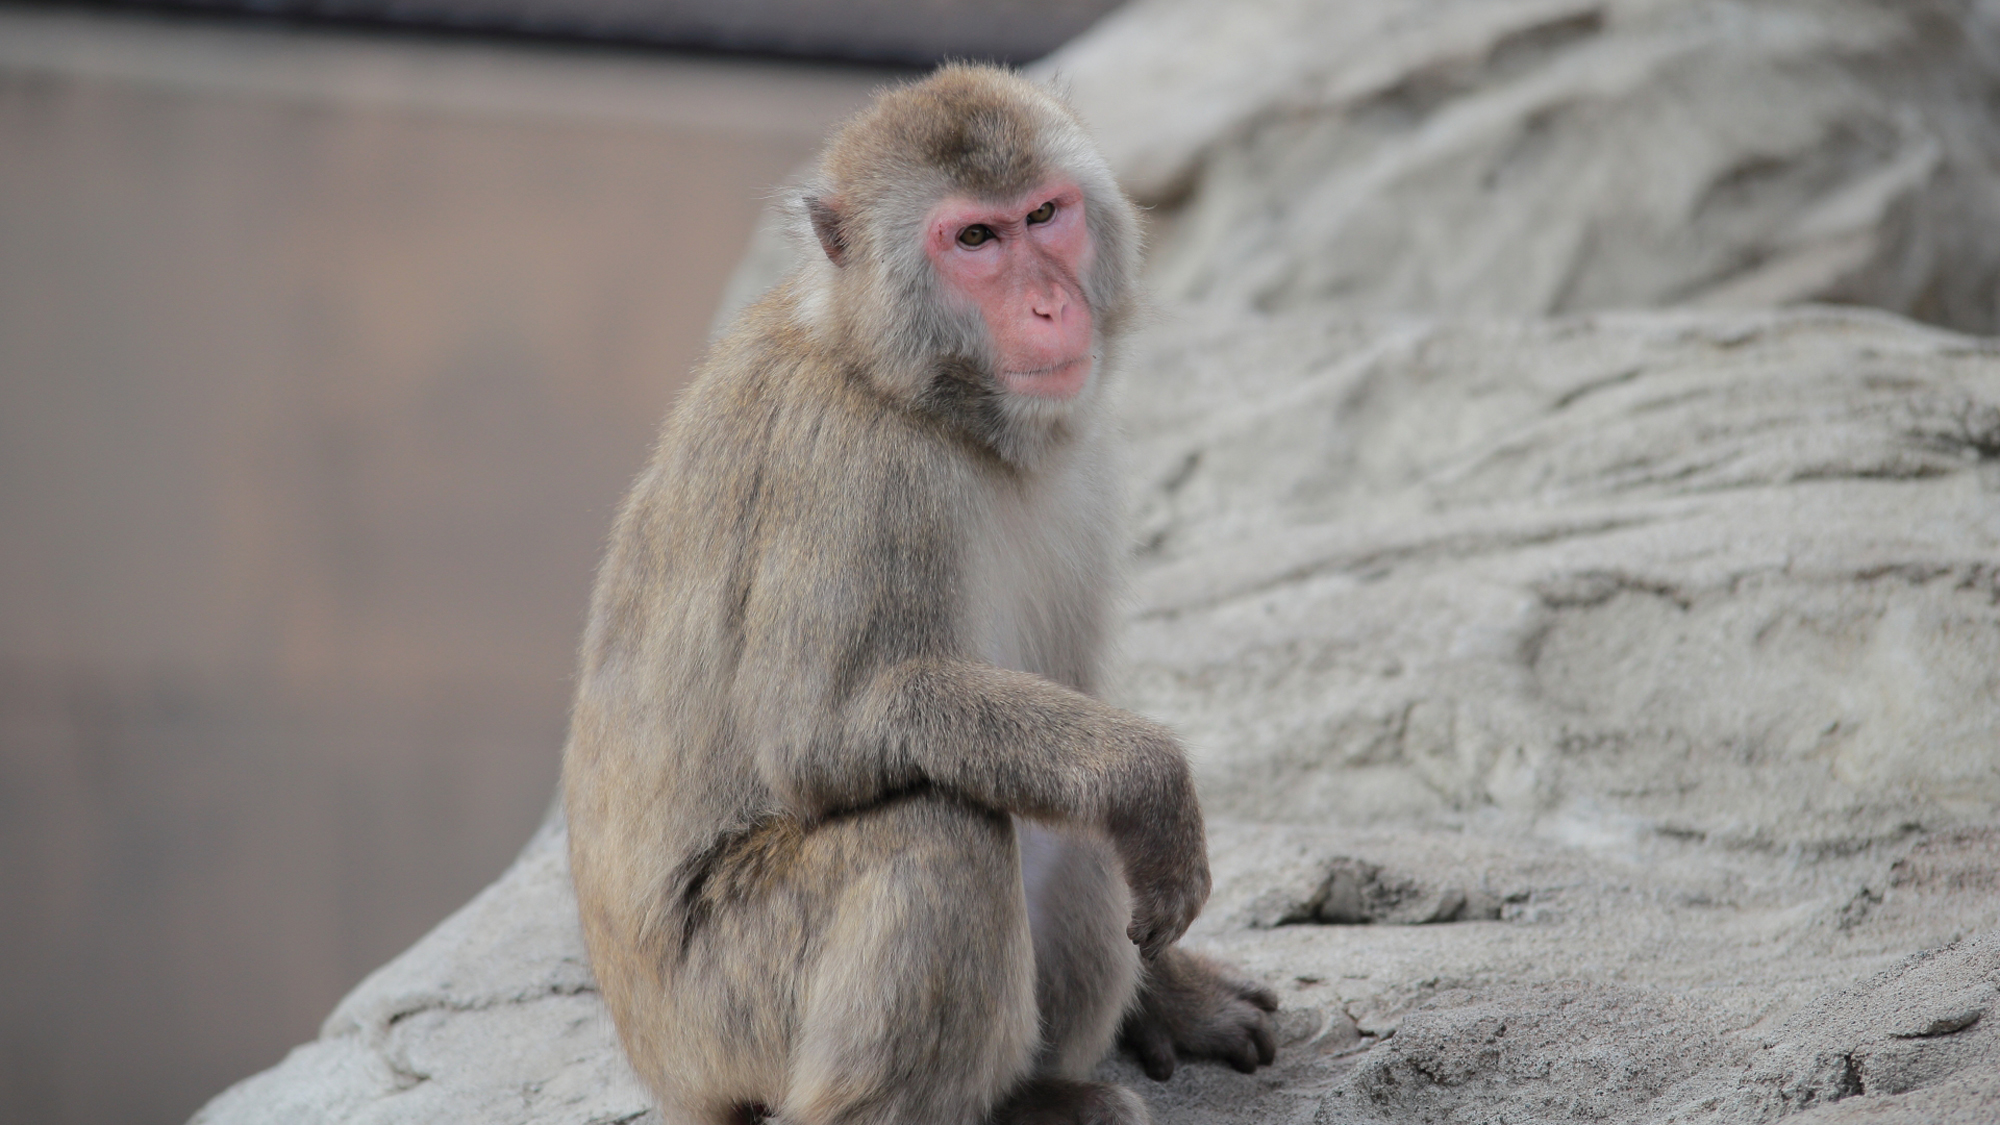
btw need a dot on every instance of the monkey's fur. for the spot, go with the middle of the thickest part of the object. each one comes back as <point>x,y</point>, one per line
<point>853,840</point>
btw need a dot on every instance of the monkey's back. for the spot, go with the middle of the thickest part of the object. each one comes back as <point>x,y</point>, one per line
<point>745,547</point>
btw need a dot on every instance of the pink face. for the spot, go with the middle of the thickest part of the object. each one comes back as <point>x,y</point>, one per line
<point>1020,262</point>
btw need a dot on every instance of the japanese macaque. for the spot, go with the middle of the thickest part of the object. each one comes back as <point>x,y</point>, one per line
<point>854,840</point>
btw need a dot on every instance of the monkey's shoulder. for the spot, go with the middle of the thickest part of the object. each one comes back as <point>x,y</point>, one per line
<point>775,404</point>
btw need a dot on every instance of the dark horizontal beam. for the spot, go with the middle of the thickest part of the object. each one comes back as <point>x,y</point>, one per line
<point>909,32</point>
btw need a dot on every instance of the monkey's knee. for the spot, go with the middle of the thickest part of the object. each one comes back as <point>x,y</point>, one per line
<point>920,1004</point>
<point>1059,1101</point>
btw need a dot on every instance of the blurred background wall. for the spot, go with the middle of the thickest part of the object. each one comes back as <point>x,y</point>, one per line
<point>325,357</point>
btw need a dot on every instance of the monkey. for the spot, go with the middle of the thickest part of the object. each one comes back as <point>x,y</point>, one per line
<point>853,837</point>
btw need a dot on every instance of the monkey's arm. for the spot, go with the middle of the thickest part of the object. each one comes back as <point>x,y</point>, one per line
<point>1018,743</point>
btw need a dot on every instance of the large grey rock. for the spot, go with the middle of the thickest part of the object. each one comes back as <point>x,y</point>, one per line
<point>1662,650</point>
<point>491,1017</point>
<point>1733,578</point>
<point>1528,157</point>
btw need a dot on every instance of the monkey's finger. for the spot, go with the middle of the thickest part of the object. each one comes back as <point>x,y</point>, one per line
<point>1261,996</point>
<point>1155,1048</point>
<point>1242,1056</point>
<point>1168,925</point>
<point>1151,940</point>
<point>1267,1047</point>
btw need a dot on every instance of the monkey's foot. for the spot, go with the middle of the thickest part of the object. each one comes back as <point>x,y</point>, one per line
<point>1190,1005</point>
<point>1057,1101</point>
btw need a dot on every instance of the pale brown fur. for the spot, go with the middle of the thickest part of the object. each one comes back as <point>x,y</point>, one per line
<point>853,840</point>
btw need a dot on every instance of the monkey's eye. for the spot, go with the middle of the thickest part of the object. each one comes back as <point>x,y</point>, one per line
<point>1043,213</point>
<point>976,234</point>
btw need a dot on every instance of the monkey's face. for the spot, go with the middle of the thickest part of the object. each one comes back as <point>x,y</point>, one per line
<point>1018,262</point>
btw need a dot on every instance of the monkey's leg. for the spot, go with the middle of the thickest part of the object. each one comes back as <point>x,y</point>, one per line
<point>1086,970</point>
<point>1086,967</point>
<point>916,1002</point>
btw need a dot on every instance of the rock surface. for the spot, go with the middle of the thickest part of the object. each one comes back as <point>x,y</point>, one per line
<point>1732,578</point>
<point>1674,713</point>
<point>1600,714</point>
<point>1526,157</point>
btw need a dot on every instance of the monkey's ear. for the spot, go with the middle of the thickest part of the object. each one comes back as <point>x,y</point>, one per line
<point>826,224</point>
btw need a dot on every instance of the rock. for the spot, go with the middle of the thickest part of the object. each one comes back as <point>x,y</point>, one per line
<point>1356,892</point>
<point>1571,1051</point>
<point>1525,157</point>
<point>1919,1025</point>
<point>1965,1099</point>
<point>1721,577</point>
<point>492,1017</point>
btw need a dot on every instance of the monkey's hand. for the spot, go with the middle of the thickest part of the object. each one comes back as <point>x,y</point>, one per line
<point>1157,832</point>
<point>1190,1005</point>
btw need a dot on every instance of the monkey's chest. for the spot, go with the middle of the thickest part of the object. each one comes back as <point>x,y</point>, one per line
<point>1016,623</point>
<point>1038,581</point>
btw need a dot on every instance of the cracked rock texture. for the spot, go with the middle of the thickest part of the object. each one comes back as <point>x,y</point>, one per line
<point>1599,713</point>
<point>1527,157</point>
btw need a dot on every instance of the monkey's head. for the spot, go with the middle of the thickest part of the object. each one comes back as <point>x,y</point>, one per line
<point>976,252</point>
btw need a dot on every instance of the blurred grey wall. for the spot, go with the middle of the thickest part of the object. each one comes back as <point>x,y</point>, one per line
<point>324,360</point>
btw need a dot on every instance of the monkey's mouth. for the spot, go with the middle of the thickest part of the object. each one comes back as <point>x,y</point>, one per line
<point>1063,380</point>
